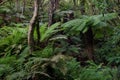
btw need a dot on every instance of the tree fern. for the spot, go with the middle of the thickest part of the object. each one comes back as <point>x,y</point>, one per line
<point>81,25</point>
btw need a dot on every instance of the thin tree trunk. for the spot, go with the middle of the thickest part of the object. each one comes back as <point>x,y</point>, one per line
<point>32,27</point>
<point>74,1</point>
<point>37,24</point>
<point>17,5</point>
<point>24,6</point>
<point>53,5</point>
<point>82,10</point>
<point>51,12</point>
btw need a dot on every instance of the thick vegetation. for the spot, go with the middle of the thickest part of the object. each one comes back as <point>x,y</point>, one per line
<point>65,40</point>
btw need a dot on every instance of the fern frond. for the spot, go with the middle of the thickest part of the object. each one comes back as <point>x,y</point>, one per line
<point>82,25</point>
<point>50,31</point>
<point>58,37</point>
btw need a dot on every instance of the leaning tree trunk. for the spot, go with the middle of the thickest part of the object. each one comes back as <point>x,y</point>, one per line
<point>32,27</point>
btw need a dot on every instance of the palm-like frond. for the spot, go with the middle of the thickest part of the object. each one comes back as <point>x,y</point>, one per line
<point>82,25</point>
<point>49,32</point>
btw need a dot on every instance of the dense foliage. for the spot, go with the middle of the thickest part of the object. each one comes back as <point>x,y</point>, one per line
<point>62,51</point>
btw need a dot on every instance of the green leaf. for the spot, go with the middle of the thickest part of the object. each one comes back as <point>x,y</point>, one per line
<point>50,31</point>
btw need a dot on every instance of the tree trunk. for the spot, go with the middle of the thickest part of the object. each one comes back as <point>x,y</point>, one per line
<point>88,36</point>
<point>89,43</point>
<point>32,27</point>
<point>74,1</point>
<point>53,5</point>
<point>17,5</point>
<point>24,6</point>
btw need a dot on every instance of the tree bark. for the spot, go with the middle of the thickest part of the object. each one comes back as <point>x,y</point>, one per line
<point>32,27</point>
<point>89,43</point>
<point>24,6</point>
<point>53,5</point>
<point>17,5</point>
<point>88,36</point>
<point>74,1</point>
